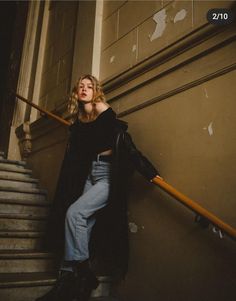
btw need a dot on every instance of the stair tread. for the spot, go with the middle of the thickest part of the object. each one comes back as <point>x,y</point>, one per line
<point>26,279</point>
<point>16,162</point>
<point>24,189</point>
<point>17,169</point>
<point>24,216</point>
<point>13,254</point>
<point>15,177</point>
<point>25,202</point>
<point>108,298</point>
<point>21,234</point>
<point>9,184</point>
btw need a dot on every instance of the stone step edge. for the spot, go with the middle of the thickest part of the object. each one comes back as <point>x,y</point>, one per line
<point>25,254</point>
<point>32,279</point>
<point>16,179</point>
<point>26,280</point>
<point>24,190</point>
<point>21,234</point>
<point>23,216</point>
<point>16,170</point>
<point>16,162</point>
<point>36,203</point>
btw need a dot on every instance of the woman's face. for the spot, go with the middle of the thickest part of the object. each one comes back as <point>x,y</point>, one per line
<point>85,90</point>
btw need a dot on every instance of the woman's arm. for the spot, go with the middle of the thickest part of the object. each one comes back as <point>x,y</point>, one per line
<point>141,163</point>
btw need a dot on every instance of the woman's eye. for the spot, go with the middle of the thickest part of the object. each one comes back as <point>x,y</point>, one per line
<point>87,87</point>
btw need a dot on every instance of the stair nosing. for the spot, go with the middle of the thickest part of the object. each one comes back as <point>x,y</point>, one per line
<point>26,203</point>
<point>24,180</point>
<point>22,170</point>
<point>16,162</point>
<point>21,234</point>
<point>23,216</point>
<point>24,190</point>
<point>11,183</point>
<point>48,279</point>
<point>25,254</point>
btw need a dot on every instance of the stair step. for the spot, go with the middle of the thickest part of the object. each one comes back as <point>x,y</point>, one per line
<point>22,222</point>
<point>26,261</point>
<point>13,176</point>
<point>21,240</point>
<point>14,208</point>
<point>21,234</point>
<point>14,162</point>
<point>11,184</point>
<point>29,286</point>
<point>109,298</point>
<point>103,289</point>
<point>25,272</point>
<point>17,254</point>
<point>25,286</point>
<point>27,293</point>
<point>26,279</point>
<point>15,168</point>
<point>22,198</point>
<point>23,216</point>
<point>24,189</point>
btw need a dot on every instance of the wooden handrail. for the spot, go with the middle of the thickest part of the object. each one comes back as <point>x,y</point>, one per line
<point>224,227</point>
<point>227,229</point>
<point>61,120</point>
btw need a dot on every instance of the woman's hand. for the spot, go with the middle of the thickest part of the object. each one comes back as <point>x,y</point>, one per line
<point>157,176</point>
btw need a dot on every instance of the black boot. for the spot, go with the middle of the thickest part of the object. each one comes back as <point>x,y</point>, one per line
<point>63,290</point>
<point>85,280</point>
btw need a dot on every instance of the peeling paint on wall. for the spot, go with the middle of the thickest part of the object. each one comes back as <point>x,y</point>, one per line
<point>206,94</point>
<point>209,128</point>
<point>112,59</point>
<point>160,19</point>
<point>133,228</point>
<point>180,15</point>
<point>134,48</point>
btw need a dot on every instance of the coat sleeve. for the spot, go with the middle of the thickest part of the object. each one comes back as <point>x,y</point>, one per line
<point>140,162</point>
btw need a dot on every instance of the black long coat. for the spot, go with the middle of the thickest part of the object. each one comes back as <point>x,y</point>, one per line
<point>109,241</point>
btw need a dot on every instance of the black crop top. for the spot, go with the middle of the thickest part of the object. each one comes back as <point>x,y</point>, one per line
<point>96,136</point>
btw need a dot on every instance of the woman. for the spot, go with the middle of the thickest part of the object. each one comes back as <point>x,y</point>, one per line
<point>99,160</point>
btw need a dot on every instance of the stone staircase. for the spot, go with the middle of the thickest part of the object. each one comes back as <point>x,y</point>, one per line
<point>26,271</point>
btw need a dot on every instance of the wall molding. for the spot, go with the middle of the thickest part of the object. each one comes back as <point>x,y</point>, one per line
<point>178,90</point>
<point>196,43</point>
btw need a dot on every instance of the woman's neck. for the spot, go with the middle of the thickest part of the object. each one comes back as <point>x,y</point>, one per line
<point>88,107</point>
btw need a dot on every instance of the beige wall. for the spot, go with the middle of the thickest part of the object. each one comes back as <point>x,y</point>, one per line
<point>135,30</point>
<point>58,55</point>
<point>190,138</point>
<point>173,82</point>
<point>171,75</point>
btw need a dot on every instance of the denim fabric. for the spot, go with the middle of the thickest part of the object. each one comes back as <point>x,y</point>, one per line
<point>80,216</point>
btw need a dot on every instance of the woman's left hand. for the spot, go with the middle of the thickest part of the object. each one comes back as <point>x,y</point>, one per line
<point>157,176</point>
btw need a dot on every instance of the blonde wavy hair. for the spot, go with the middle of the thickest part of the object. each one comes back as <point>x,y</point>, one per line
<point>76,109</point>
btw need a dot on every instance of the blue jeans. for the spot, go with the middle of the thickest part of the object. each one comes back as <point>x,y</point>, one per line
<point>80,216</point>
